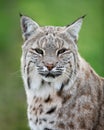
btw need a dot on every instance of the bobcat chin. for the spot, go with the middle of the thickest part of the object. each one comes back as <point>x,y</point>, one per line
<point>63,91</point>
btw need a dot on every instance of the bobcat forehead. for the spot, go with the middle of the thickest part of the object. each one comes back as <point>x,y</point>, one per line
<point>63,91</point>
<point>52,29</point>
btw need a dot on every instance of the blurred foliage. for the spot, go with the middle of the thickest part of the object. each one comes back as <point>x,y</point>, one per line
<point>45,12</point>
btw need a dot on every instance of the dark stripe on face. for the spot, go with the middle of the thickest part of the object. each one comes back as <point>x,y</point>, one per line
<point>28,78</point>
<point>28,82</point>
<point>25,61</point>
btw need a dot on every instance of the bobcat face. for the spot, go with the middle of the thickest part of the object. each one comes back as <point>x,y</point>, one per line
<point>51,56</point>
<point>50,64</point>
<point>50,52</point>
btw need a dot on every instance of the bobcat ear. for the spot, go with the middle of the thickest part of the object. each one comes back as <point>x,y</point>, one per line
<point>74,28</point>
<point>28,26</point>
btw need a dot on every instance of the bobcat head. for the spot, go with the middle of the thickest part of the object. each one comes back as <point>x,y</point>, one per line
<point>50,52</point>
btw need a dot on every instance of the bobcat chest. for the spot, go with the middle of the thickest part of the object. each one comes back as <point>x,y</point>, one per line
<point>42,111</point>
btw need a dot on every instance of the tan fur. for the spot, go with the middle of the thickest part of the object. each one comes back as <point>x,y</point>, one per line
<point>63,91</point>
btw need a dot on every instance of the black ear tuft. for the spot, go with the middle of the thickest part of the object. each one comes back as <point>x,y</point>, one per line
<point>84,16</point>
<point>20,14</point>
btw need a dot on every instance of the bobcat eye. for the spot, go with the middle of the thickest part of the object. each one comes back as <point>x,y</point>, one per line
<point>61,51</point>
<point>39,51</point>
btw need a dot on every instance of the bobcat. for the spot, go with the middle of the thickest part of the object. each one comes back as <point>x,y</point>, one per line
<point>63,91</point>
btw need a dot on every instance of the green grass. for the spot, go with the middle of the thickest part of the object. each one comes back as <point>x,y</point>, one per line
<point>45,12</point>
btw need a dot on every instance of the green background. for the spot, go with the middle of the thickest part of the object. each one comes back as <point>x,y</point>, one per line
<point>45,12</point>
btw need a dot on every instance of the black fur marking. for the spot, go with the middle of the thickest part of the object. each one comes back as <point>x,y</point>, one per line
<point>24,25</point>
<point>47,99</point>
<point>49,74</point>
<point>51,122</point>
<point>44,119</point>
<point>33,108</point>
<point>40,105</point>
<point>51,110</point>
<point>28,78</point>
<point>41,110</point>
<point>28,82</point>
<point>30,119</point>
<point>46,33</point>
<point>36,120</point>
<point>42,82</point>
<point>47,129</point>
<point>62,86</point>
<point>49,83</point>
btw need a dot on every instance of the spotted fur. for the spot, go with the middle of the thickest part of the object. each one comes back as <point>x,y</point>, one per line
<point>63,91</point>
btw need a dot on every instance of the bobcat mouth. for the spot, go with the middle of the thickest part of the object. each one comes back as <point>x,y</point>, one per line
<point>51,74</point>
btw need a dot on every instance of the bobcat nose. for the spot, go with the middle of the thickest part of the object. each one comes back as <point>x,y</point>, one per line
<point>49,66</point>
